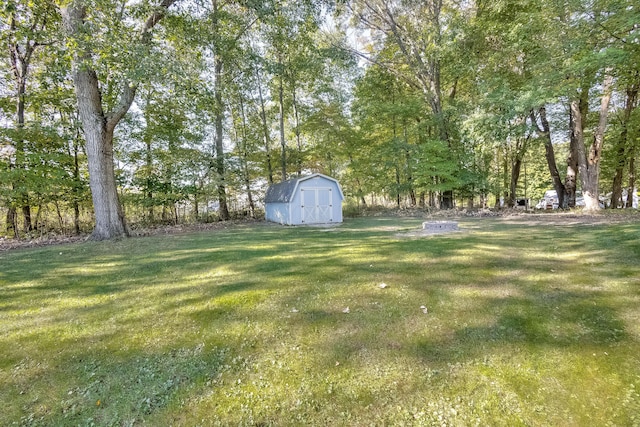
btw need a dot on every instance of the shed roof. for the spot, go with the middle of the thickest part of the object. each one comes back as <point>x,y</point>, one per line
<point>283,192</point>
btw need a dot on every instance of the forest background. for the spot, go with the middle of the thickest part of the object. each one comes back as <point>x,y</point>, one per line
<point>146,112</point>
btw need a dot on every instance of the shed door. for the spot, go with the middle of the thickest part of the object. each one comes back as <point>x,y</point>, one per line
<point>316,205</point>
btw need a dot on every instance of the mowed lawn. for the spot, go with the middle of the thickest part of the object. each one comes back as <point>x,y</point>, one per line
<point>525,324</point>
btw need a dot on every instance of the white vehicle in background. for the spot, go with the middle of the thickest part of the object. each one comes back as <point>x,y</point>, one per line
<point>634,199</point>
<point>549,201</point>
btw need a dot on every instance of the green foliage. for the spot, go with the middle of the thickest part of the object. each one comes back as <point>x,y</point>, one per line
<point>443,104</point>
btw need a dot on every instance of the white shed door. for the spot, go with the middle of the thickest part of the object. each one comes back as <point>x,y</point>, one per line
<point>316,205</point>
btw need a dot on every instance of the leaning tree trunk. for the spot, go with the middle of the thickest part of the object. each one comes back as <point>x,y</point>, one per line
<point>545,131</point>
<point>516,166</point>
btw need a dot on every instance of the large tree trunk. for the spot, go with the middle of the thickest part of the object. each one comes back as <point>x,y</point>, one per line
<point>109,218</point>
<point>99,126</point>
<point>589,163</point>
<point>571,179</point>
<point>98,131</point>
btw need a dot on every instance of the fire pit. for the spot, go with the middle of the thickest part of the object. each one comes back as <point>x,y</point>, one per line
<point>440,226</point>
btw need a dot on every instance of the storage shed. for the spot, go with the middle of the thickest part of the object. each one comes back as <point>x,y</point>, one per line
<point>313,199</point>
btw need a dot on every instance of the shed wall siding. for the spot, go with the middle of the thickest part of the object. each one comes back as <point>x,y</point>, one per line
<point>277,212</point>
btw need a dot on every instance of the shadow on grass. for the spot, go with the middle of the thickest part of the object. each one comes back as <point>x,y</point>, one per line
<point>574,321</point>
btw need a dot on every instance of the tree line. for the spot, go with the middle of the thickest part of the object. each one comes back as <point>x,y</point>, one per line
<point>172,110</point>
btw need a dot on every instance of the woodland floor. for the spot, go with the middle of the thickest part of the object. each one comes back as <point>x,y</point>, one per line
<point>7,244</point>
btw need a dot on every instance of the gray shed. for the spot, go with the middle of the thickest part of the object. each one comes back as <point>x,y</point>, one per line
<point>313,199</point>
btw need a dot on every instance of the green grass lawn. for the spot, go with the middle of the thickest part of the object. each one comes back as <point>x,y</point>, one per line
<point>525,325</point>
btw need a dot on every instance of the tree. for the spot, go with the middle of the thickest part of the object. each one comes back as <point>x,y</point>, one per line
<point>99,124</point>
<point>422,33</point>
<point>625,147</point>
<point>291,58</point>
<point>389,115</point>
<point>589,161</point>
<point>25,29</point>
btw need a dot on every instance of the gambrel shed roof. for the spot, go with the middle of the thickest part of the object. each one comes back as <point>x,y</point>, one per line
<point>283,192</point>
